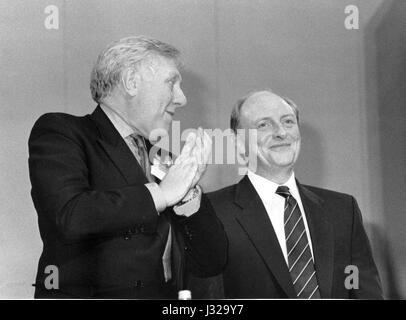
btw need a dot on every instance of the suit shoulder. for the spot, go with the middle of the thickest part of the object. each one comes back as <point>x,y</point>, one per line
<point>222,194</point>
<point>58,122</point>
<point>222,201</point>
<point>329,194</point>
<point>56,119</point>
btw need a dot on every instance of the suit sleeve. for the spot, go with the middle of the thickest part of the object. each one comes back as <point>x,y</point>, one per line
<point>62,194</point>
<point>205,241</point>
<point>369,282</point>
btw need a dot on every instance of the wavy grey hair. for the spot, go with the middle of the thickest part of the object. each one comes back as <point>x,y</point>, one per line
<point>121,54</point>
<point>236,111</point>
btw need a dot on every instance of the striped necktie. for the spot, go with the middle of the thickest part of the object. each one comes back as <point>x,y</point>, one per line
<point>301,265</point>
<point>141,153</point>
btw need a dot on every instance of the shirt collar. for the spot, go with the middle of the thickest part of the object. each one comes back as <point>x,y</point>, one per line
<point>118,122</point>
<point>266,187</point>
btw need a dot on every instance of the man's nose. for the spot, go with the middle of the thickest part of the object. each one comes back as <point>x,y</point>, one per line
<point>279,131</point>
<point>179,98</point>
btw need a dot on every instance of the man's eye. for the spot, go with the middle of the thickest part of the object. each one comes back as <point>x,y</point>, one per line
<point>289,121</point>
<point>262,125</point>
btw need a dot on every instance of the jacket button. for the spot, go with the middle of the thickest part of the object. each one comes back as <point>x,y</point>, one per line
<point>128,234</point>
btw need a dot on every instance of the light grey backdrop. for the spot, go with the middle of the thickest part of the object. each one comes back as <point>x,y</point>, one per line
<point>349,85</point>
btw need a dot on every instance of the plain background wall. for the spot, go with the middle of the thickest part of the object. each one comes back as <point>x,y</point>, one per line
<point>348,85</point>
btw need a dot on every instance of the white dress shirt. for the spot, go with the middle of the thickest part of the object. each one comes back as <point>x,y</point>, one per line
<point>275,204</point>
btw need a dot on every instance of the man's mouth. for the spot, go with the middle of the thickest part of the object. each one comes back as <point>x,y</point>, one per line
<point>172,113</point>
<point>280,146</point>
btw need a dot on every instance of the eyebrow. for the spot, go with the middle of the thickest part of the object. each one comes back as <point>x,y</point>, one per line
<point>270,118</point>
<point>288,115</point>
<point>256,121</point>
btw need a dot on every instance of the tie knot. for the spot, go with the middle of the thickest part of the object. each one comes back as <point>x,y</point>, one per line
<point>139,141</point>
<point>283,191</point>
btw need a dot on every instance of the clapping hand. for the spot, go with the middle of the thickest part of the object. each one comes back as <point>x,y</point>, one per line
<point>202,153</point>
<point>181,174</point>
<point>188,167</point>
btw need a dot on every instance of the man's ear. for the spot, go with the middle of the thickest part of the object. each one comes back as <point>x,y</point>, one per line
<point>131,80</point>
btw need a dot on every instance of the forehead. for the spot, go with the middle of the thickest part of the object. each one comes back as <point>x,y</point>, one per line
<point>264,105</point>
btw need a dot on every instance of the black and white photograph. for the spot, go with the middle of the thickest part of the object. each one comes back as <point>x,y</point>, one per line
<point>213,150</point>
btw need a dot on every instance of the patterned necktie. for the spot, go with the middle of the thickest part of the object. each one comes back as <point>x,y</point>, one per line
<point>142,156</point>
<point>141,153</point>
<point>301,265</point>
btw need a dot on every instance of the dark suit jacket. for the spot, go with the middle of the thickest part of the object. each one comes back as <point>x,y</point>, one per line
<point>98,221</point>
<point>256,267</point>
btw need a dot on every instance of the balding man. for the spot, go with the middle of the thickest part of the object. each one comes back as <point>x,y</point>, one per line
<point>288,240</point>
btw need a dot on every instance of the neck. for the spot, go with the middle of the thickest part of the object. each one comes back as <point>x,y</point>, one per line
<point>118,105</point>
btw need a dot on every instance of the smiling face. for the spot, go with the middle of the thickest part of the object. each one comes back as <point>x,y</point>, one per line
<point>277,143</point>
<point>158,96</point>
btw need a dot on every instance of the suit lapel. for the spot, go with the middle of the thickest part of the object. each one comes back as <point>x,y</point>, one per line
<point>322,236</point>
<point>116,148</point>
<point>254,219</point>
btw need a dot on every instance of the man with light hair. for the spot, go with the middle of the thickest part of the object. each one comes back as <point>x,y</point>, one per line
<point>113,224</point>
<point>286,239</point>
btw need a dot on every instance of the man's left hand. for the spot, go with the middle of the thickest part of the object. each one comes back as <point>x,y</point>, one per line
<point>202,153</point>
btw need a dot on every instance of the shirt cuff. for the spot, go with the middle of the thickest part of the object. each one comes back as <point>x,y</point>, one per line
<point>157,196</point>
<point>190,203</point>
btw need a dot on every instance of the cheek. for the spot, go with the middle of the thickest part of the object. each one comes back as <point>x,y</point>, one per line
<point>295,134</point>
<point>264,140</point>
<point>298,144</point>
<point>166,96</point>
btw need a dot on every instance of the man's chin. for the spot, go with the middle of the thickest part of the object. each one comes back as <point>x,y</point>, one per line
<point>281,158</point>
<point>284,162</point>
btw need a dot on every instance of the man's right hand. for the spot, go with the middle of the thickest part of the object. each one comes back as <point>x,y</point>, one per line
<point>180,176</point>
